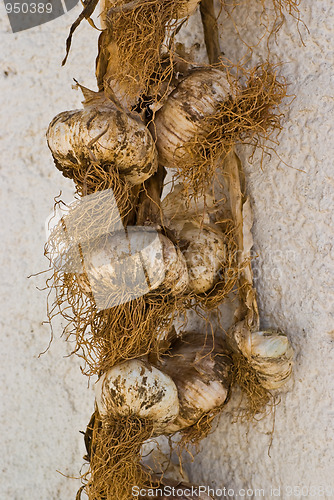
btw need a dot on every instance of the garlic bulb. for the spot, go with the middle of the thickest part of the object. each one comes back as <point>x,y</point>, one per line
<point>201,369</point>
<point>180,120</point>
<point>271,357</point>
<point>205,255</point>
<point>136,388</point>
<point>205,252</point>
<point>179,206</point>
<point>102,133</point>
<point>269,352</point>
<point>128,265</point>
<point>202,243</point>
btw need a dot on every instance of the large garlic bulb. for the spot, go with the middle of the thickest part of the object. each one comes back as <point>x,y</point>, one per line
<point>201,369</point>
<point>138,389</point>
<point>104,134</point>
<point>269,352</point>
<point>180,120</point>
<point>128,265</point>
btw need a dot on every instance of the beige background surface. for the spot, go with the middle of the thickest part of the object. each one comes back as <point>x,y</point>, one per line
<point>45,400</point>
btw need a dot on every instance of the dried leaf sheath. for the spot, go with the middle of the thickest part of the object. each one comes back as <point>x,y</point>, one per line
<point>243,374</point>
<point>262,359</point>
<point>243,222</point>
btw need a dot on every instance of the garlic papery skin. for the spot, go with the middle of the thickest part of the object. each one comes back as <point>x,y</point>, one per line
<point>137,388</point>
<point>127,265</point>
<point>272,358</point>
<point>269,344</point>
<point>103,134</point>
<point>201,369</point>
<point>205,252</point>
<point>176,276</point>
<point>180,120</point>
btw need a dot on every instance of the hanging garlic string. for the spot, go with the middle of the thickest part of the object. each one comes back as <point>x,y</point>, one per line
<point>262,359</point>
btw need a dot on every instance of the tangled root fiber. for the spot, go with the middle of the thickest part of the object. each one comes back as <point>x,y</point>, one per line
<point>125,331</point>
<point>83,226</point>
<point>260,401</point>
<point>248,116</point>
<point>130,49</point>
<point>193,435</point>
<point>282,7</point>
<point>114,453</point>
<point>94,178</point>
<point>273,23</point>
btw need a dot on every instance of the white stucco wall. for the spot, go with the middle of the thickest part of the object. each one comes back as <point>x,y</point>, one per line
<point>45,401</point>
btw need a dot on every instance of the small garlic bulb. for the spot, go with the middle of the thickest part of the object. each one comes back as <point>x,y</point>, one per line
<point>271,357</point>
<point>179,206</point>
<point>180,120</point>
<point>269,352</point>
<point>202,243</point>
<point>205,252</point>
<point>136,388</point>
<point>104,134</point>
<point>128,265</point>
<point>201,369</point>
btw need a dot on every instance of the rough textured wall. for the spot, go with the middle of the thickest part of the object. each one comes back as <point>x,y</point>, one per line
<point>46,399</point>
